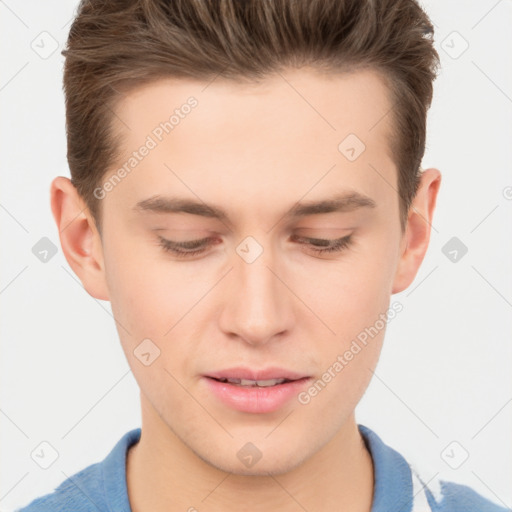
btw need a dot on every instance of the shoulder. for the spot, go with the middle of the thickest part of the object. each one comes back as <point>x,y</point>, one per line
<point>100,486</point>
<point>81,492</point>
<point>410,484</point>
<point>446,496</point>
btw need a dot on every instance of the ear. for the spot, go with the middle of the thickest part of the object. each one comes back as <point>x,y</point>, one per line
<point>417,233</point>
<point>79,237</point>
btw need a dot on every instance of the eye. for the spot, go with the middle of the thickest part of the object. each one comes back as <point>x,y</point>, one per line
<point>184,249</point>
<point>195,247</point>
<point>323,246</point>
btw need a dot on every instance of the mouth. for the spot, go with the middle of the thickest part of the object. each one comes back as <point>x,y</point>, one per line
<point>259,394</point>
<point>264,377</point>
<point>255,383</point>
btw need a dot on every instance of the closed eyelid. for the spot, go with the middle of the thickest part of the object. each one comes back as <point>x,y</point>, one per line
<point>318,246</point>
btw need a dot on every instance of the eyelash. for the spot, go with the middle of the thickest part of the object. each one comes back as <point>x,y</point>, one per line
<point>338,245</point>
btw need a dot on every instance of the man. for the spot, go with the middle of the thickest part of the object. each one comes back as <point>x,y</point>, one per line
<point>247,193</point>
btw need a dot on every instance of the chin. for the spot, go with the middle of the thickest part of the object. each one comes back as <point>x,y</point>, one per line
<point>277,466</point>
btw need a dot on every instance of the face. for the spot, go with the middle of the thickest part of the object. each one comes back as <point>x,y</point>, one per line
<point>252,276</point>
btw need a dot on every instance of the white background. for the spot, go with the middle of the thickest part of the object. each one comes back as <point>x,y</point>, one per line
<point>445,370</point>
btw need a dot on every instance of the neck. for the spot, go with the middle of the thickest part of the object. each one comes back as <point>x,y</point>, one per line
<point>163,474</point>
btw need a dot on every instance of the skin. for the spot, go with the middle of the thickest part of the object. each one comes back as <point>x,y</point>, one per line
<point>254,150</point>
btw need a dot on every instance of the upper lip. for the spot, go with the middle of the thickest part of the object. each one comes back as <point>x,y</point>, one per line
<point>251,374</point>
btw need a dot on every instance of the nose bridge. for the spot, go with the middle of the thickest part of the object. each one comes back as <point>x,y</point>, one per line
<point>258,306</point>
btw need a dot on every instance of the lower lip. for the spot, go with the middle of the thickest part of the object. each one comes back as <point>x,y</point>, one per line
<point>256,399</point>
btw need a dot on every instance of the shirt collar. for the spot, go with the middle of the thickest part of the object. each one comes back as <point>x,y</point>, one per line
<point>392,474</point>
<point>114,472</point>
<point>393,486</point>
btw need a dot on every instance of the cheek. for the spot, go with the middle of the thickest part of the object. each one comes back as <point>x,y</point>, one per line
<point>140,279</point>
<point>350,294</point>
<point>149,295</point>
<point>164,301</point>
<point>352,297</point>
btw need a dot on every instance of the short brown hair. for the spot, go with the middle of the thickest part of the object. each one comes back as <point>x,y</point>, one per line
<point>118,45</point>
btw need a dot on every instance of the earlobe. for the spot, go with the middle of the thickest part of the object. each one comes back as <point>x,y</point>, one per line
<point>79,238</point>
<point>418,229</point>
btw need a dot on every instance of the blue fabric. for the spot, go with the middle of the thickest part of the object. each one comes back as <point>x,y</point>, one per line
<point>393,484</point>
<point>102,486</point>
<point>98,487</point>
<point>392,490</point>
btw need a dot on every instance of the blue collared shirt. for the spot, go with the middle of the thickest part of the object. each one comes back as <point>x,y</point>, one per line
<point>397,485</point>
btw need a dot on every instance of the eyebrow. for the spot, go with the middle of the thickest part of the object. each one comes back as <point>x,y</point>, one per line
<point>345,202</point>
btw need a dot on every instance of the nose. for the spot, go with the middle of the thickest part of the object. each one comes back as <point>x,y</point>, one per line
<point>257,304</point>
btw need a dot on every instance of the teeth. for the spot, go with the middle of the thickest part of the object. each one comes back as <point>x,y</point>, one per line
<point>259,383</point>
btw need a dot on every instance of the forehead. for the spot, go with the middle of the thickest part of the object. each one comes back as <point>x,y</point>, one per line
<point>294,131</point>
<point>336,103</point>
